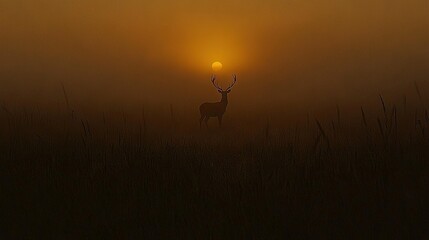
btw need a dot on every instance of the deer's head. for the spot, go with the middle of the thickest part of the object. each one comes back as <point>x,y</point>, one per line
<point>228,89</point>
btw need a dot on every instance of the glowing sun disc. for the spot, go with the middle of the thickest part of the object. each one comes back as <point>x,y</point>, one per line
<point>217,66</point>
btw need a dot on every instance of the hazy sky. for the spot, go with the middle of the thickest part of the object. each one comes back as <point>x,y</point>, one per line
<point>285,52</point>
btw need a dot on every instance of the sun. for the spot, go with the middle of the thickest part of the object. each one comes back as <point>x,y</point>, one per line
<point>217,66</point>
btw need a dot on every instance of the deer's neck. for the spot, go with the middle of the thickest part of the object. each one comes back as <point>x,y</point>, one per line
<point>224,100</point>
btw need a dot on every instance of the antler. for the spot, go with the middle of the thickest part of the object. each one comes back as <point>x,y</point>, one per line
<point>214,83</point>
<point>234,77</point>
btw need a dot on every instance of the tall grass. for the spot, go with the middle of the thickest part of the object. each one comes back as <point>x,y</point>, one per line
<point>124,176</point>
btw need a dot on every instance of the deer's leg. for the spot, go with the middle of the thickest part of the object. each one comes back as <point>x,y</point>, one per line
<point>206,120</point>
<point>201,119</point>
<point>220,120</point>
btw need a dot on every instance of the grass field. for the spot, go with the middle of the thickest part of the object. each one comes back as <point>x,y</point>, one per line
<point>121,176</point>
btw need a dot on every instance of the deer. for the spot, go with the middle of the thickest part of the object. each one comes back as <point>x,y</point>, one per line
<point>216,109</point>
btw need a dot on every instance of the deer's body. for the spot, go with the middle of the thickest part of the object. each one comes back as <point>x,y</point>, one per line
<point>213,109</point>
<point>216,109</point>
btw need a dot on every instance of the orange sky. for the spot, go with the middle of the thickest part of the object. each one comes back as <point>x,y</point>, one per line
<point>289,53</point>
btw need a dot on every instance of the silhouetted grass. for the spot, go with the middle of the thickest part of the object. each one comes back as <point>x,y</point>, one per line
<point>70,177</point>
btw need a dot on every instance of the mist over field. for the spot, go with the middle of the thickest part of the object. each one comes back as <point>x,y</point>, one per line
<point>324,134</point>
<point>300,55</point>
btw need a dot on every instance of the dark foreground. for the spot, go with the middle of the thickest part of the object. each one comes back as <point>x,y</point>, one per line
<point>70,178</point>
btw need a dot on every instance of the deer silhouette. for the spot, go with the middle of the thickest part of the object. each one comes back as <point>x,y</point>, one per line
<point>217,109</point>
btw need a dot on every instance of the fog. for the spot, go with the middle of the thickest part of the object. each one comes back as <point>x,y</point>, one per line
<point>293,55</point>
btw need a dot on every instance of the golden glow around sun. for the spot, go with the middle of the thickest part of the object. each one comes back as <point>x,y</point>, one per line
<point>202,47</point>
<point>217,66</point>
